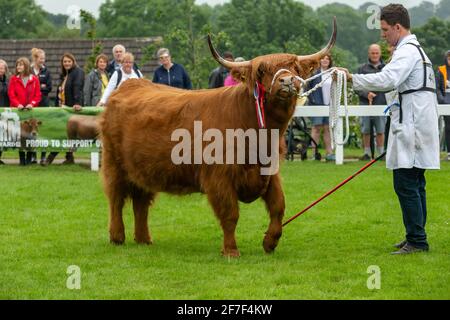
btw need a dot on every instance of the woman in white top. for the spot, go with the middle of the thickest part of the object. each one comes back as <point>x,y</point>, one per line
<point>123,74</point>
<point>321,97</point>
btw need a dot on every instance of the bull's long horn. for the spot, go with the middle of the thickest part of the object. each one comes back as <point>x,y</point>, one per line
<point>227,64</point>
<point>324,51</point>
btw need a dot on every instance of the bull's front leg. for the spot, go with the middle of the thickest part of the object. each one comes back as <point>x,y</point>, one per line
<point>225,206</point>
<point>274,199</point>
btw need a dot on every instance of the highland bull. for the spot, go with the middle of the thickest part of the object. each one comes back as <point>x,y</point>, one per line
<point>137,134</point>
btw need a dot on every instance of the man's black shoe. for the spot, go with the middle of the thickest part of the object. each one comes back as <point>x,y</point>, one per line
<point>365,157</point>
<point>408,248</point>
<point>400,244</point>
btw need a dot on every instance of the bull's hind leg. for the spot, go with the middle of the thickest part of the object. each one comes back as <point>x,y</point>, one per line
<point>141,202</point>
<point>274,199</point>
<point>226,208</point>
<point>116,191</point>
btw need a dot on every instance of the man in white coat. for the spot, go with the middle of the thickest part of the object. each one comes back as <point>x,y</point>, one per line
<point>413,144</point>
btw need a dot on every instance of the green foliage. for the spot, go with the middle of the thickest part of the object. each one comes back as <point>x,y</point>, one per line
<point>263,27</point>
<point>91,34</point>
<point>419,15</point>
<point>434,36</point>
<point>23,19</point>
<point>353,33</point>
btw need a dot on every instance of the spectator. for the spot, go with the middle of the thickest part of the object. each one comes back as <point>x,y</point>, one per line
<point>24,93</point>
<point>125,72</point>
<point>39,69</point>
<point>229,80</point>
<point>321,97</point>
<point>374,65</point>
<point>219,74</point>
<point>169,73</point>
<point>70,93</point>
<point>443,93</point>
<point>4,81</point>
<point>4,100</point>
<point>118,53</point>
<point>96,82</point>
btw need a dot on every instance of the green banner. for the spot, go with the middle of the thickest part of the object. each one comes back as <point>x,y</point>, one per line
<point>53,129</point>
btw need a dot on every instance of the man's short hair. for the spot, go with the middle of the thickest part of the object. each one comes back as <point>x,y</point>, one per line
<point>119,46</point>
<point>396,13</point>
<point>228,54</point>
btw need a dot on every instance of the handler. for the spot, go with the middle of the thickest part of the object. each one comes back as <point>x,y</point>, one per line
<point>413,144</point>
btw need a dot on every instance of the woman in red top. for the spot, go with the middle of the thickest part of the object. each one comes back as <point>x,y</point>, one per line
<point>24,93</point>
<point>24,88</point>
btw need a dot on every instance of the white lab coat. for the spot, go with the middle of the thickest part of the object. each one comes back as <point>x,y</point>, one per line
<point>415,141</point>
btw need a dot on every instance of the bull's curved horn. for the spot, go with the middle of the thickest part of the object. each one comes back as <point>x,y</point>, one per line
<point>324,51</point>
<point>227,64</point>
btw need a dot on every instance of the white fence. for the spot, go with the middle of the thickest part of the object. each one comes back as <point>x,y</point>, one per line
<point>353,111</point>
<point>322,111</point>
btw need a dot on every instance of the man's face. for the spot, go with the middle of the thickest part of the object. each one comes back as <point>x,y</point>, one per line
<point>374,54</point>
<point>448,60</point>
<point>390,33</point>
<point>118,54</point>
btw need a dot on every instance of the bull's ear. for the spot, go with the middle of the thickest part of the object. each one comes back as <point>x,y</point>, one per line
<point>26,122</point>
<point>262,69</point>
<point>240,74</point>
<point>39,122</point>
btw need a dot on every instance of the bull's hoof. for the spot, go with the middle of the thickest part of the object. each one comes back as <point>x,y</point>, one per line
<point>143,240</point>
<point>117,239</point>
<point>269,244</point>
<point>231,253</point>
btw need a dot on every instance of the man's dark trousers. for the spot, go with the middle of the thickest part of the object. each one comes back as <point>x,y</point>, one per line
<point>409,184</point>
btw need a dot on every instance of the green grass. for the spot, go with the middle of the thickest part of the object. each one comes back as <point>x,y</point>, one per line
<point>51,218</point>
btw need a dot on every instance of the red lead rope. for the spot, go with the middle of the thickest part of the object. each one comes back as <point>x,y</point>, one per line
<point>259,93</point>
<point>335,188</point>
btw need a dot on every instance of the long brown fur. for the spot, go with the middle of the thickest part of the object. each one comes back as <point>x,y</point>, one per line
<point>136,131</point>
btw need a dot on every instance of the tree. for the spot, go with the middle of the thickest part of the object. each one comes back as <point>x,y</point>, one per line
<point>22,19</point>
<point>270,26</point>
<point>354,34</point>
<point>443,9</point>
<point>434,38</point>
<point>420,14</point>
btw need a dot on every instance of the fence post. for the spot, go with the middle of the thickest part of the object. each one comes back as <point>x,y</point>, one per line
<point>95,162</point>
<point>339,152</point>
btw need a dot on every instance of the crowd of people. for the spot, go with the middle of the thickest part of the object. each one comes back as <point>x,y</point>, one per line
<point>30,85</point>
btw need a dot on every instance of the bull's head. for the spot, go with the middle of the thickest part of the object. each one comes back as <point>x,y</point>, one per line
<point>276,72</point>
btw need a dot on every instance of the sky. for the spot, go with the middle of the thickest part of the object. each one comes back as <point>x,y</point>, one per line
<point>63,6</point>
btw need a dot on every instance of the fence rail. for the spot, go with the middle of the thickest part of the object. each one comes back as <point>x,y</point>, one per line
<point>353,111</point>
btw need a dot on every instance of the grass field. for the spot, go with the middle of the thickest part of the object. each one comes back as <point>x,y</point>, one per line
<point>51,218</point>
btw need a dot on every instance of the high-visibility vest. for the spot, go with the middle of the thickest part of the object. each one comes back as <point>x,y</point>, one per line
<point>443,70</point>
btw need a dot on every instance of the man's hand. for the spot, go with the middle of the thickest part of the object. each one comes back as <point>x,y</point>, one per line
<point>347,73</point>
<point>20,107</point>
<point>28,107</point>
<point>77,107</point>
<point>370,97</point>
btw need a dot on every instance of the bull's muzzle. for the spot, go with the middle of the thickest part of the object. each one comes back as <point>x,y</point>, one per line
<point>287,86</point>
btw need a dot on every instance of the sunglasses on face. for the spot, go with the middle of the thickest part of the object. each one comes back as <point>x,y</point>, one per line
<point>163,57</point>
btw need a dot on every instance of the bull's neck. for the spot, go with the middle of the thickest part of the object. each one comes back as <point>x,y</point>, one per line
<point>279,112</point>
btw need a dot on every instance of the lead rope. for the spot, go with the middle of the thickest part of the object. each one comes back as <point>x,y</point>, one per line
<point>337,87</point>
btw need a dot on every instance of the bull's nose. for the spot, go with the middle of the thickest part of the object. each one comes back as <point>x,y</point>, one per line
<point>287,80</point>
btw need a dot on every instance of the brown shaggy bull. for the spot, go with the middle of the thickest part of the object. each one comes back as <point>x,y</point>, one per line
<point>137,128</point>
